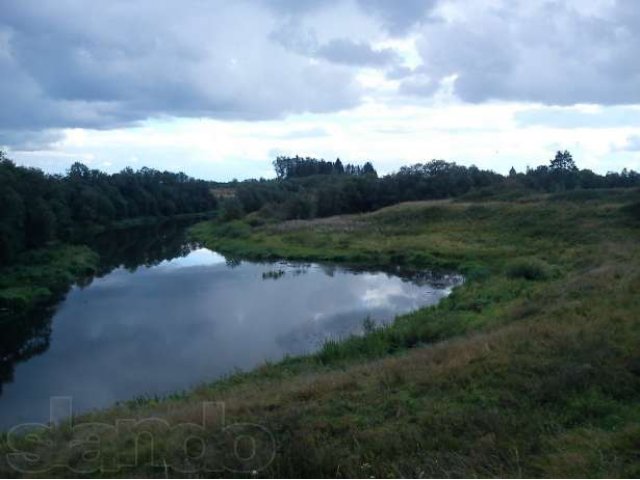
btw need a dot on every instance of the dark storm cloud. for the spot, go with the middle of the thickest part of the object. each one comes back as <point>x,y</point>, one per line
<point>553,52</point>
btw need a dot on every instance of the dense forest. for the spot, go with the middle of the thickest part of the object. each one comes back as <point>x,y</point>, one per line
<point>37,208</point>
<point>308,188</point>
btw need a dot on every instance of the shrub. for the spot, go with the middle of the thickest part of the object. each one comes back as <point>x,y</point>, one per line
<point>584,195</point>
<point>633,209</point>
<point>230,209</point>
<point>476,273</point>
<point>235,229</point>
<point>529,269</point>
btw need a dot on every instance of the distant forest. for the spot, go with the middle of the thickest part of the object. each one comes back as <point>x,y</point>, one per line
<point>297,167</point>
<point>37,209</point>
<point>307,187</point>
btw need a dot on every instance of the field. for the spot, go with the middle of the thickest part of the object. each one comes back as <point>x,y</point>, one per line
<point>531,368</point>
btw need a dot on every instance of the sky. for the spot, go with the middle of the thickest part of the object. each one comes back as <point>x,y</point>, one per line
<point>219,88</point>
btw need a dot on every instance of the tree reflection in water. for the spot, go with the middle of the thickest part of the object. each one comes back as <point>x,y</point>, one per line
<point>27,334</point>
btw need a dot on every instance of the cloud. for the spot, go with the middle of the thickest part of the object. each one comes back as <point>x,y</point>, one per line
<point>632,144</point>
<point>559,52</point>
<point>313,132</point>
<point>398,16</point>
<point>416,82</point>
<point>125,62</point>
<point>29,140</point>
<point>317,77</point>
<point>579,117</point>
<point>345,51</point>
<point>395,16</point>
<point>297,7</point>
<point>348,52</point>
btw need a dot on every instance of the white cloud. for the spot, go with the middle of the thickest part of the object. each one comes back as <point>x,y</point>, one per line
<point>552,52</point>
<point>631,144</point>
<point>389,135</point>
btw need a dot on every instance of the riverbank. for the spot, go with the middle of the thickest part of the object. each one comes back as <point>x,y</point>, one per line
<point>138,222</point>
<point>529,369</point>
<point>40,277</point>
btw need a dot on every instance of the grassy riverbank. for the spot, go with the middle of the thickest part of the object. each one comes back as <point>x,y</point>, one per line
<point>531,368</point>
<point>39,276</point>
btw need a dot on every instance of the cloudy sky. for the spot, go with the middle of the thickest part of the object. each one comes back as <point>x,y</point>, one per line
<point>218,88</point>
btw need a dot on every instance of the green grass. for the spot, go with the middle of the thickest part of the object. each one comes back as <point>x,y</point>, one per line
<point>529,269</point>
<point>531,368</point>
<point>40,276</point>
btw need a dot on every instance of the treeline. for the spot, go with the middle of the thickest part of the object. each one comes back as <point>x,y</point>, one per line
<point>298,167</point>
<point>562,174</point>
<point>321,195</point>
<point>308,187</point>
<point>36,208</point>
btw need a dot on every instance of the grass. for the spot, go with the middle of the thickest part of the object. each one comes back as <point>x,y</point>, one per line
<point>531,368</point>
<point>529,269</point>
<point>40,276</point>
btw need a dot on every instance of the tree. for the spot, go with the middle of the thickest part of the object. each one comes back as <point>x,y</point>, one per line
<point>36,208</point>
<point>12,216</point>
<point>299,207</point>
<point>281,166</point>
<point>40,223</point>
<point>367,169</point>
<point>563,162</point>
<point>79,171</point>
<point>512,172</point>
<point>231,209</point>
<point>338,167</point>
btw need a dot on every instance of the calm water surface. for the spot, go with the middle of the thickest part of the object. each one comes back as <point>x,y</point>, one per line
<point>158,326</point>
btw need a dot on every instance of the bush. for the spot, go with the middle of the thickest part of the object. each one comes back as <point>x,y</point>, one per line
<point>235,229</point>
<point>231,209</point>
<point>476,273</point>
<point>584,195</point>
<point>529,269</point>
<point>633,209</point>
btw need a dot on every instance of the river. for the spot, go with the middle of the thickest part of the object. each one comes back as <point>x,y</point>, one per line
<point>165,315</point>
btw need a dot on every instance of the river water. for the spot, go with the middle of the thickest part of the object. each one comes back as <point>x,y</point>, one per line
<point>165,315</point>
